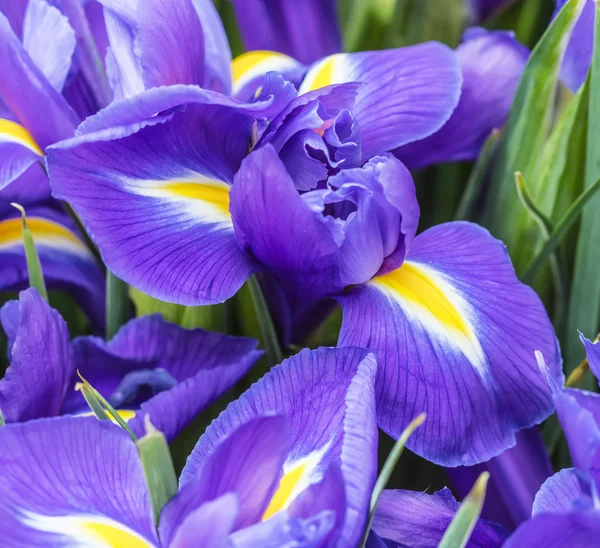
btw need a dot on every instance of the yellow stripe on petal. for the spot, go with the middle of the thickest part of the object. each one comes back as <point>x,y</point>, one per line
<point>11,132</point>
<point>125,414</point>
<point>43,231</point>
<point>88,530</point>
<point>253,64</point>
<point>214,193</point>
<point>324,73</point>
<point>428,298</point>
<point>283,495</point>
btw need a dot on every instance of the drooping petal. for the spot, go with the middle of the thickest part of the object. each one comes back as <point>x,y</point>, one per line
<point>578,54</point>
<point>306,30</point>
<point>592,350</point>
<point>49,40</point>
<point>67,264</point>
<point>276,226</point>
<point>157,202</point>
<point>492,64</point>
<point>67,481</point>
<point>556,531</point>
<point>419,520</point>
<point>408,93</point>
<point>455,333</point>
<point>208,526</point>
<point>18,152</point>
<point>35,383</point>
<point>248,463</point>
<point>28,94</point>
<point>336,385</point>
<point>170,42</point>
<point>562,493</point>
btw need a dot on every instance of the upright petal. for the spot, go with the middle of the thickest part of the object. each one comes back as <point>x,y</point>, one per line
<point>492,64</point>
<point>49,40</point>
<point>455,332</point>
<point>157,202</point>
<point>306,30</point>
<point>275,225</point>
<point>67,263</point>
<point>592,350</point>
<point>35,383</point>
<point>327,395</point>
<point>68,481</point>
<point>27,93</point>
<point>419,520</point>
<point>408,93</point>
<point>562,493</point>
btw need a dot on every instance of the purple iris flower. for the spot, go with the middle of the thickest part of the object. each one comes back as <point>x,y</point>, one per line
<point>149,367</point>
<point>578,54</point>
<point>566,511</point>
<point>67,263</point>
<point>291,463</point>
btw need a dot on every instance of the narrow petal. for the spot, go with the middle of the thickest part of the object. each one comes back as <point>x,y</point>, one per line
<point>28,94</point>
<point>35,383</point>
<point>419,520</point>
<point>157,202</point>
<point>171,43</point>
<point>408,93</point>
<point>248,463</point>
<point>276,226</point>
<point>208,526</point>
<point>18,151</point>
<point>336,384</point>
<point>492,64</point>
<point>592,351</point>
<point>306,30</point>
<point>66,262</point>
<point>66,481</point>
<point>49,40</point>
<point>560,494</point>
<point>557,531</point>
<point>455,333</point>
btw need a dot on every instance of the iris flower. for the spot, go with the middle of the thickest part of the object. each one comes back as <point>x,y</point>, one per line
<point>149,365</point>
<point>292,461</point>
<point>566,511</point>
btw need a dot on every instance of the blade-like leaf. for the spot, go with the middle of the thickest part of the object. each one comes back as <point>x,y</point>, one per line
<point>117,304</point>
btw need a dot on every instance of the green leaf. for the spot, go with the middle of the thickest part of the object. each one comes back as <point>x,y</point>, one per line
<point>584,305</point>
<point>34,268</point>
<point>213,317</point>
<point>2,421</point>
<point>524,138</point>
<point>459,531</point>
<point>158,467</point>
<point>387,470</point>
<point>92,400</point>
<point>117,304</point>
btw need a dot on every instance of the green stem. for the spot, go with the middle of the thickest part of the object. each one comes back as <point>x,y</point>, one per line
<point>268,333</point>
<point>117,304</point>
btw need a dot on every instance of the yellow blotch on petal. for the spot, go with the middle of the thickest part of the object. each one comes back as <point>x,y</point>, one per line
<point>11,231</point>
<point>248,61</point>
<point>13,132</point>
<point>114,537</point>
<point>283,495</point>
<point>415,285</point>
<point>214,193</point>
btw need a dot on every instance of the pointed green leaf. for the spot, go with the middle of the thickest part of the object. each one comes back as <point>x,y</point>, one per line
<point>524,137</point>
<point>388,468</point>
<point>158,467</point>
<point>34,268</point>
<point>459,531</point>
<point>584,305</point>
<point>93,402</point>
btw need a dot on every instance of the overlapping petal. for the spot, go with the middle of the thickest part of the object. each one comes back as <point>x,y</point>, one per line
<point>455,333</point>
<point>491,64</point>
<point>408,93</point>
<point>36,381</point>
<point>562,493</point>
<point>157,202</point>
<point>67,263</point>
<point>18,152</point>
<point>327,396</point>
<point>72,480</point>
